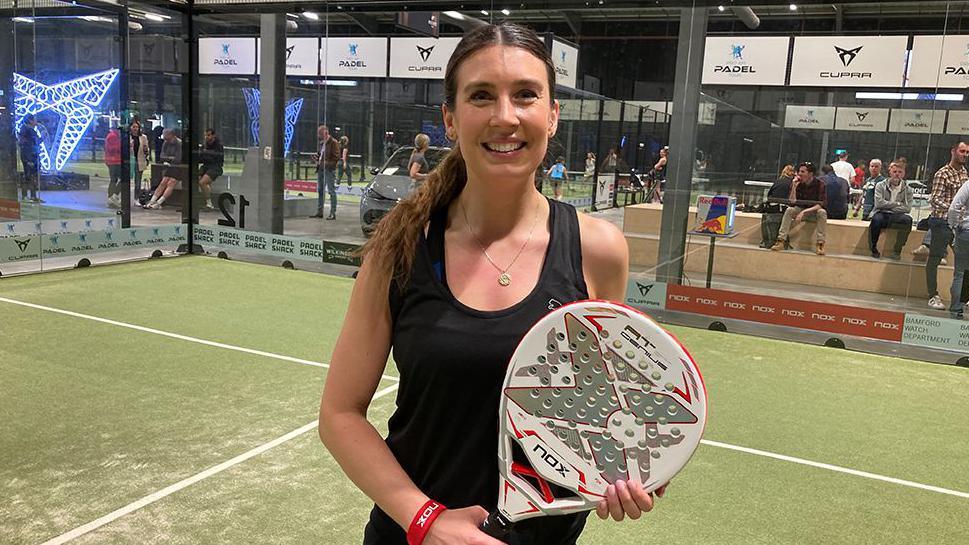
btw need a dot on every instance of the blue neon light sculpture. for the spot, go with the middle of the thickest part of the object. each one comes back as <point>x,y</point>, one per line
<point>74,100</point>
<point>293,108</point>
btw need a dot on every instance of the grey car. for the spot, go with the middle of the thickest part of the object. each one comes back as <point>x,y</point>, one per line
<point>390,184</point>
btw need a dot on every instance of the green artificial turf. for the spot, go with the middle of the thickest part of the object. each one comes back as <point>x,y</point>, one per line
<point>97,416</point>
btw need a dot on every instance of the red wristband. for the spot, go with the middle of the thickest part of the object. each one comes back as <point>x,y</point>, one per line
<point>422,521</point>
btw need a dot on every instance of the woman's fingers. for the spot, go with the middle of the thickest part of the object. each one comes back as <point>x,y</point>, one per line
<point>629,505</point>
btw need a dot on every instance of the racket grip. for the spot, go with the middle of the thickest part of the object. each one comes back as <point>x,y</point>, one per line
<point>496,525</point>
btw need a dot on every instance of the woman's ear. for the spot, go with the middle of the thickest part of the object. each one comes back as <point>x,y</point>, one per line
<point>553,119</point>
<point>449,128</point>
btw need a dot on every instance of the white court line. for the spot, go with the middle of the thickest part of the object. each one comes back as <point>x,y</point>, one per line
<point>177,336</point>
<point>168,490</point>
<point>838,469</point>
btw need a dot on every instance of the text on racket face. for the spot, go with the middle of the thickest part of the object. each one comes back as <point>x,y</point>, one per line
<point>551,460</point>
<point>642,343</point>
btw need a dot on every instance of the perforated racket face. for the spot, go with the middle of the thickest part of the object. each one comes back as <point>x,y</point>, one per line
<point>595,392</point>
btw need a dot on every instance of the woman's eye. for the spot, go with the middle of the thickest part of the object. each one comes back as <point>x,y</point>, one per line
<point>527,94</point>
<point>480,95</point>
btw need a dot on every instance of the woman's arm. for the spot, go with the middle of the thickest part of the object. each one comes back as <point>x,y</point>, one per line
<point>358,361</point>
<point>415,171</point>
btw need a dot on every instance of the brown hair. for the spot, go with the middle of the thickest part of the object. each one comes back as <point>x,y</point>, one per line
<point>787,171</point>
<point>395,240</point>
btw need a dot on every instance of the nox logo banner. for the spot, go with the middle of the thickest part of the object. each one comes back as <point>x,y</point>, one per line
<point>420,58</point>
<point>737,60</point>
<point>848,61</point>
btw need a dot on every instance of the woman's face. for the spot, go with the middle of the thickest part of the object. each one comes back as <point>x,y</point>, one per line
<point>136,129</point>
<point>502,115</point>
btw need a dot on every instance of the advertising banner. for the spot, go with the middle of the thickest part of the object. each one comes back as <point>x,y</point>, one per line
<point>957,122</point>
<point>939,61</point>
<point>320,251</point>
<point>302,56</point>
<point>95,53</point>
<point>355,57</point>
<point>152,53</point>
<point>227,55</point>
<point>736,60</point>
<point>848,61</point>
<point>861,119</point>
<point>420,58</point>
<point>646,295</point>
<point>566,60</point>
<point>67,244</point>
<point>809,117</point>
<point>917,121</point>
<point>935,332</point>
<point>605,186</point>
<point>53,226</point>
<point>839,319</point>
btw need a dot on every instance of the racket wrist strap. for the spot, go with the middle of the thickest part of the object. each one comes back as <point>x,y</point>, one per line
<point>423,520</point>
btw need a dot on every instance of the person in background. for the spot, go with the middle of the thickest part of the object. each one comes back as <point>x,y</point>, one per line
<point>158,138</point>
<point>326,161</point>
<point>211,163</point>
<point>945,184</point>
<point>29,143</point>
<point>611,161</point>
<point>772,212</point>
<point>893,202</point>
<point>590,167</point>
<point>659,169</point>
<point>389,145</point>
<point>557,174</point>
<point>867,201</point>
<point>842,167</point>
<point>417,166</point>
<point>857,182</point>
<point>343,165</point>
<point>171,157</point>
<point>958,219</point>
<point>140,153</point>
<point>807,198</point>
<point>112,158</point>
<point>837,190</point>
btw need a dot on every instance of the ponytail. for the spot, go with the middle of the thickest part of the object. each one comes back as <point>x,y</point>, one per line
<point>394,243</point>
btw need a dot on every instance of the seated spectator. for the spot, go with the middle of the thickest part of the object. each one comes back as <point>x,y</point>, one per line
<point>867,201</point>
<point>837,190</point>
<point>171,157</point>
<point>772,212</point>
<point>893,202</point>
<point>958,220</point>
<point>808,197</point>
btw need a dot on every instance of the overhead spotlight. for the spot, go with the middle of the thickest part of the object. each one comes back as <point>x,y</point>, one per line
<point>484,12</point>
<point>454,14</point>
<point>506,12</point>
<point>312,16</point>
<point>720,8</point>
<point>23,19</point>
<point>792,7</point>
<point>154,17</point>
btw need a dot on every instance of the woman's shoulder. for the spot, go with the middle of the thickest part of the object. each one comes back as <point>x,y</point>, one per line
<point>603,245</point>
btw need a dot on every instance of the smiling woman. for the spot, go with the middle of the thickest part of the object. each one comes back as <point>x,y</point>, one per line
<point>453,278</point>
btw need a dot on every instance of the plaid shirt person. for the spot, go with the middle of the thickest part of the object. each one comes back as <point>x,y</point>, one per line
<point>945,184</point>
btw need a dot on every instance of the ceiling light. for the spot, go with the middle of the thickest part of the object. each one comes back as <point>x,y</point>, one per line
<point>484,12</point>
<point>311,16</point>
<point>720,8</point>
<point>506,12</point>
<point>24,19</point>
<point>454,15</point>
<point>154,17</point>
<point>792,7</point>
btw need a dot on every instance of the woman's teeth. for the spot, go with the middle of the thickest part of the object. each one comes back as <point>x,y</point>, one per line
<point>505,148</point>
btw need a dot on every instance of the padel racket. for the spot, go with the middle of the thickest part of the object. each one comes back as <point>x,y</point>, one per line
<point>595,392</point>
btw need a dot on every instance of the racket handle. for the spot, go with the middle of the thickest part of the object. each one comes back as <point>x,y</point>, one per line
<point>496,525</point>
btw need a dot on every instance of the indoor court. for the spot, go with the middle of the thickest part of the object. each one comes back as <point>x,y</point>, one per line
<point>174,401</point>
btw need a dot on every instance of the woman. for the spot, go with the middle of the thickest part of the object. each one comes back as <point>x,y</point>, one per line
<point>140,152</point>
<point>417,167</point>
<point>343,165</point>
<point>452,279</point>
<point>590,167</point>
<point>786,175</point>
<point>171,157</point>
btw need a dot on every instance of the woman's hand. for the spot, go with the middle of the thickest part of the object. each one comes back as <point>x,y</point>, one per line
<point>460,527</point>
<point>627,499</point>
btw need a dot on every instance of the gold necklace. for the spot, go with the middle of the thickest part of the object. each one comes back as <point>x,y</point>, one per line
<point>504,279</point>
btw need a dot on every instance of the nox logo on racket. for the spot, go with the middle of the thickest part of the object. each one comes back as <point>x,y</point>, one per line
<point>550,459</point>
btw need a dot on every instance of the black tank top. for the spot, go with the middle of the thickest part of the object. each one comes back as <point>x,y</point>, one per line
<point>452,361</point>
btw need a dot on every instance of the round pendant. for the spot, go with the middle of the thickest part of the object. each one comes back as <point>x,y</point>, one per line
<point>504,279</point>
